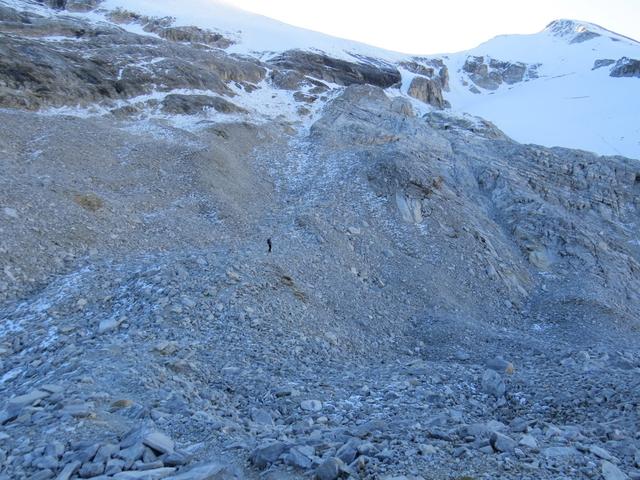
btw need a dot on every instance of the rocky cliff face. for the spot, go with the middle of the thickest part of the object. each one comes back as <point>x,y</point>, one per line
<point>434,300</point>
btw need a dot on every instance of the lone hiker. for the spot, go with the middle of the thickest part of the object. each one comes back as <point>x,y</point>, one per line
<point>269,244</point>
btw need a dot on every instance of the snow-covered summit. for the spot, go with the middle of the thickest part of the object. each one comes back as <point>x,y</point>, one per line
<point>576,31</point>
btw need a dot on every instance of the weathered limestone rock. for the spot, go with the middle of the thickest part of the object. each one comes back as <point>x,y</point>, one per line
<point>338,71</point>
<point>427,91</point>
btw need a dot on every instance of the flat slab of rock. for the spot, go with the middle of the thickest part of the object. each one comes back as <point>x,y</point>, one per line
<point>554,452</point>
<point>159,442</point>
<point>611,472</point>
<point>209,471</point>
<point>311,405</point>
<point>155,474</point>
<point>27,399</point>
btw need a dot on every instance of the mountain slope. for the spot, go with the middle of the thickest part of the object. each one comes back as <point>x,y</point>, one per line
<point>299,264</point>
<point>550,111</point>
<point>568,102</point>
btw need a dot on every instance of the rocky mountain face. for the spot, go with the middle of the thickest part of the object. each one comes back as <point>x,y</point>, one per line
<point>298,265</point>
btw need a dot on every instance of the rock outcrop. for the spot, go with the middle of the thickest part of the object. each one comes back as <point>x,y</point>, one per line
<point>489,73</point>
<point>427,91</point>
<point>337,71</point>
<point>626,67</point>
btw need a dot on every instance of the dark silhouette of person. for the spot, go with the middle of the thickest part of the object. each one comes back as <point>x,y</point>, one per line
<point>269,244</point>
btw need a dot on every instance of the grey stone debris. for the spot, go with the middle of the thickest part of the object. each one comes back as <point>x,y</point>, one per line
<point>493,384</point>
<point>441,301</point>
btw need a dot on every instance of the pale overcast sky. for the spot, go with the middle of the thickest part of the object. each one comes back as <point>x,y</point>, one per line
<point>422,26</point>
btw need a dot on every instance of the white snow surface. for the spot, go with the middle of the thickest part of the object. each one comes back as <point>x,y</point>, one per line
<point>569,105</point>
<point>254,34</point>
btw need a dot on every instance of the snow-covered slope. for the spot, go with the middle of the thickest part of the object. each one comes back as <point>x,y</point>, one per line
<point>254,34</point>
<point>570,104</point>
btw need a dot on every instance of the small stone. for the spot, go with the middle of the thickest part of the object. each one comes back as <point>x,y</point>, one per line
<point>555,452</point>
<point>105,452</point>
<point>78,410</point>
<point>209,471</point>
<point>266,454</point>
<point>500,365</point>
<point>27,399</point>
<point>165,347</point>
<point>347,453</point>
<point>156,474</point>
<point>311,405</point>
<point>10,212</point>
<point>528,441</point>
<point>424,449</point>
<point>175,459</point>
<point>462,355</point>
<point>154,465</point>
<point>261,417</point>
<point>611,472</point>
<point>54,449</point>
<point>108,324</point>
<point>120,404</point>
<point>52,388</point>
<point>600,452</point>
<point>502,443</point>
<point>114,465</point>
<point>159,442</point>
<point>68,470</point>
<point>41,475</point>
<point>91,469</point>
<point>329,469</point>
<point>493,384</point>
<point>131,454</point>
<point>297,458</point>
<point>46,462</point>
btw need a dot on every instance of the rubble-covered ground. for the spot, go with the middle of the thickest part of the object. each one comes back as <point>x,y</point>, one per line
<point>440,302</point>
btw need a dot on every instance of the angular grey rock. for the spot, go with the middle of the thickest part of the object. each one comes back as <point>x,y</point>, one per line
<point>600,452</point>
<point>558,452</point>
<point>493,384</point>
<point>528,441</point>
<point>131,454</point>
<point>69,470</point>
<point>266,454</point>
<point>611,472</point>
<point>209,471</point>
<point>500,365</point>
<point>27,399</point>
<point>502,443</point>
<point>155,474</point>
<point>91,469</point>
<point>159,442</point>
<point>329,469</point>
<point>311,405</point>
<point>297,457</point>
<point>261,416</point>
